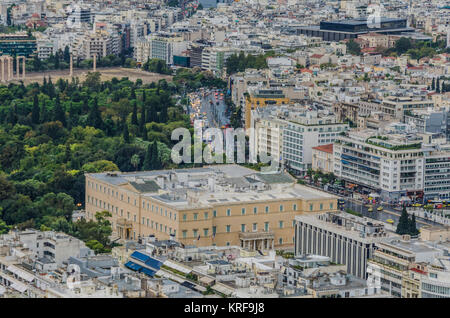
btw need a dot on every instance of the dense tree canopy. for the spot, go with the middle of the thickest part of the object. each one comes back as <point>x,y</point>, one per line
<point>53,133</point>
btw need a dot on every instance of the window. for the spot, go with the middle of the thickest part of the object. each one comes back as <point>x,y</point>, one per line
<point>281,208</point>
<point>294,207</point>
<point>184,233</point>
<point>184,217</point>
<point>267,209</point>
<point>255,210</point>
<point>266,226</point>
<point>206,215</point>
<point>311,207</point>
<point>195,216</point>
<point>281,223</point>
<point>331,206</point>
<point>205,232</point>
<point>280,241</point>
<point>228,228</point>
<point>214,213</point>
<point>228,212</point>
<point>214,230</point>
<point>255,227</point>
<point>243,211</point>
<point>321,206</point>
<point>242,227</point>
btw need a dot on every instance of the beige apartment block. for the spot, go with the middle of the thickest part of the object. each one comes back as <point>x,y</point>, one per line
<point>216,205</point>
<point>322,158</point>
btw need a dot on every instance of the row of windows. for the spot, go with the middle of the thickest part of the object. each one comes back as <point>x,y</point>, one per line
<point>105,190</point>
<point>228,212</point>
<point>254,227</point>
<point>158,226</point>
<point>159,210</point>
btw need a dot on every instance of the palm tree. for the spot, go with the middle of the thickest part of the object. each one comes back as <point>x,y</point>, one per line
<point>135,160</point>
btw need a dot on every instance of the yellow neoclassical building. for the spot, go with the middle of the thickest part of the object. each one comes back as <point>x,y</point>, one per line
<point>216,205</point>
<point>261,98</point>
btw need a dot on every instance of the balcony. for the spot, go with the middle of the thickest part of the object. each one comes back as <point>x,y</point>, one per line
<point>259,235</point>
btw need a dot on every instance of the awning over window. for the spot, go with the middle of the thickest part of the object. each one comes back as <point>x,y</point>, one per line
<point>21,288</point>
<point>20,273</point>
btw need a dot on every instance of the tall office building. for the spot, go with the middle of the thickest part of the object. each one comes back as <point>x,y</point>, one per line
<point>345,238</point>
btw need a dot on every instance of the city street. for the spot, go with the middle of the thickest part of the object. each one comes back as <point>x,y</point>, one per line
<point>209,105</point>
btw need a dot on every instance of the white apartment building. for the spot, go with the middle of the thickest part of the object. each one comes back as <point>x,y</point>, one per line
<point>391,164</point>
<point>56,247</point>
<point>101,44</point>
<point>306,130</point>
<point>45,49</point>
<point>396,106</point>
<point>392,259</point>
<point>214,59</point>
<point>437,173</point>
<point>161,46</point>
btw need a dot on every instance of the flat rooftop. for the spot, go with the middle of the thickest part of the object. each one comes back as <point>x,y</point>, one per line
<point>211,186</point>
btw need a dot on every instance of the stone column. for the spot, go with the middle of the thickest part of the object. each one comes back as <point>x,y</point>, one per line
<point>273,245</point>
<point>95,62</point>
<point>18,67</point>
<point>3,68</point>
<point>23,67</point>
<point>10,63</point>
<point>71,65</point>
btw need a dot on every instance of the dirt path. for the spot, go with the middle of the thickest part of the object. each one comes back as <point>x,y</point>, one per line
<point>106,74</point>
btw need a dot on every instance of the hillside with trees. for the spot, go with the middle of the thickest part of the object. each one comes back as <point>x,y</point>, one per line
<point>54,133</point>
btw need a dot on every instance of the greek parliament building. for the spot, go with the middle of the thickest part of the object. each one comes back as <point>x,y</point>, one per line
<point>345,238</point>
<point>217,205</point>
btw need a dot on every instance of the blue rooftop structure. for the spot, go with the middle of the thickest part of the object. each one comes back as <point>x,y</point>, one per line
<point>148,272</point>
<point>153,263</point>
<point>140,256</point>
<point>133,266</point>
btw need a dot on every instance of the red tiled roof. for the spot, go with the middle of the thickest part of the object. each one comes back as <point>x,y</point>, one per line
<point>418,271</point>
<point>325,148</point>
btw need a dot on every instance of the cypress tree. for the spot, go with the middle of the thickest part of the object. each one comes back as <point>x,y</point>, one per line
<point>433,84</point>
<point>36,110</point>
<point>134,120</point>
<point>142,121</point>
<point>144,133</point>
<point>403,223</point>
<point>44,113</point>
<point>163,114</point>
<point>412,226</point>
<point>148,158</point>
<point>94,118</point>
<point>126,134</point>
<point>438,88</point>
<point>60,115</point>
<point>155,162</point>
